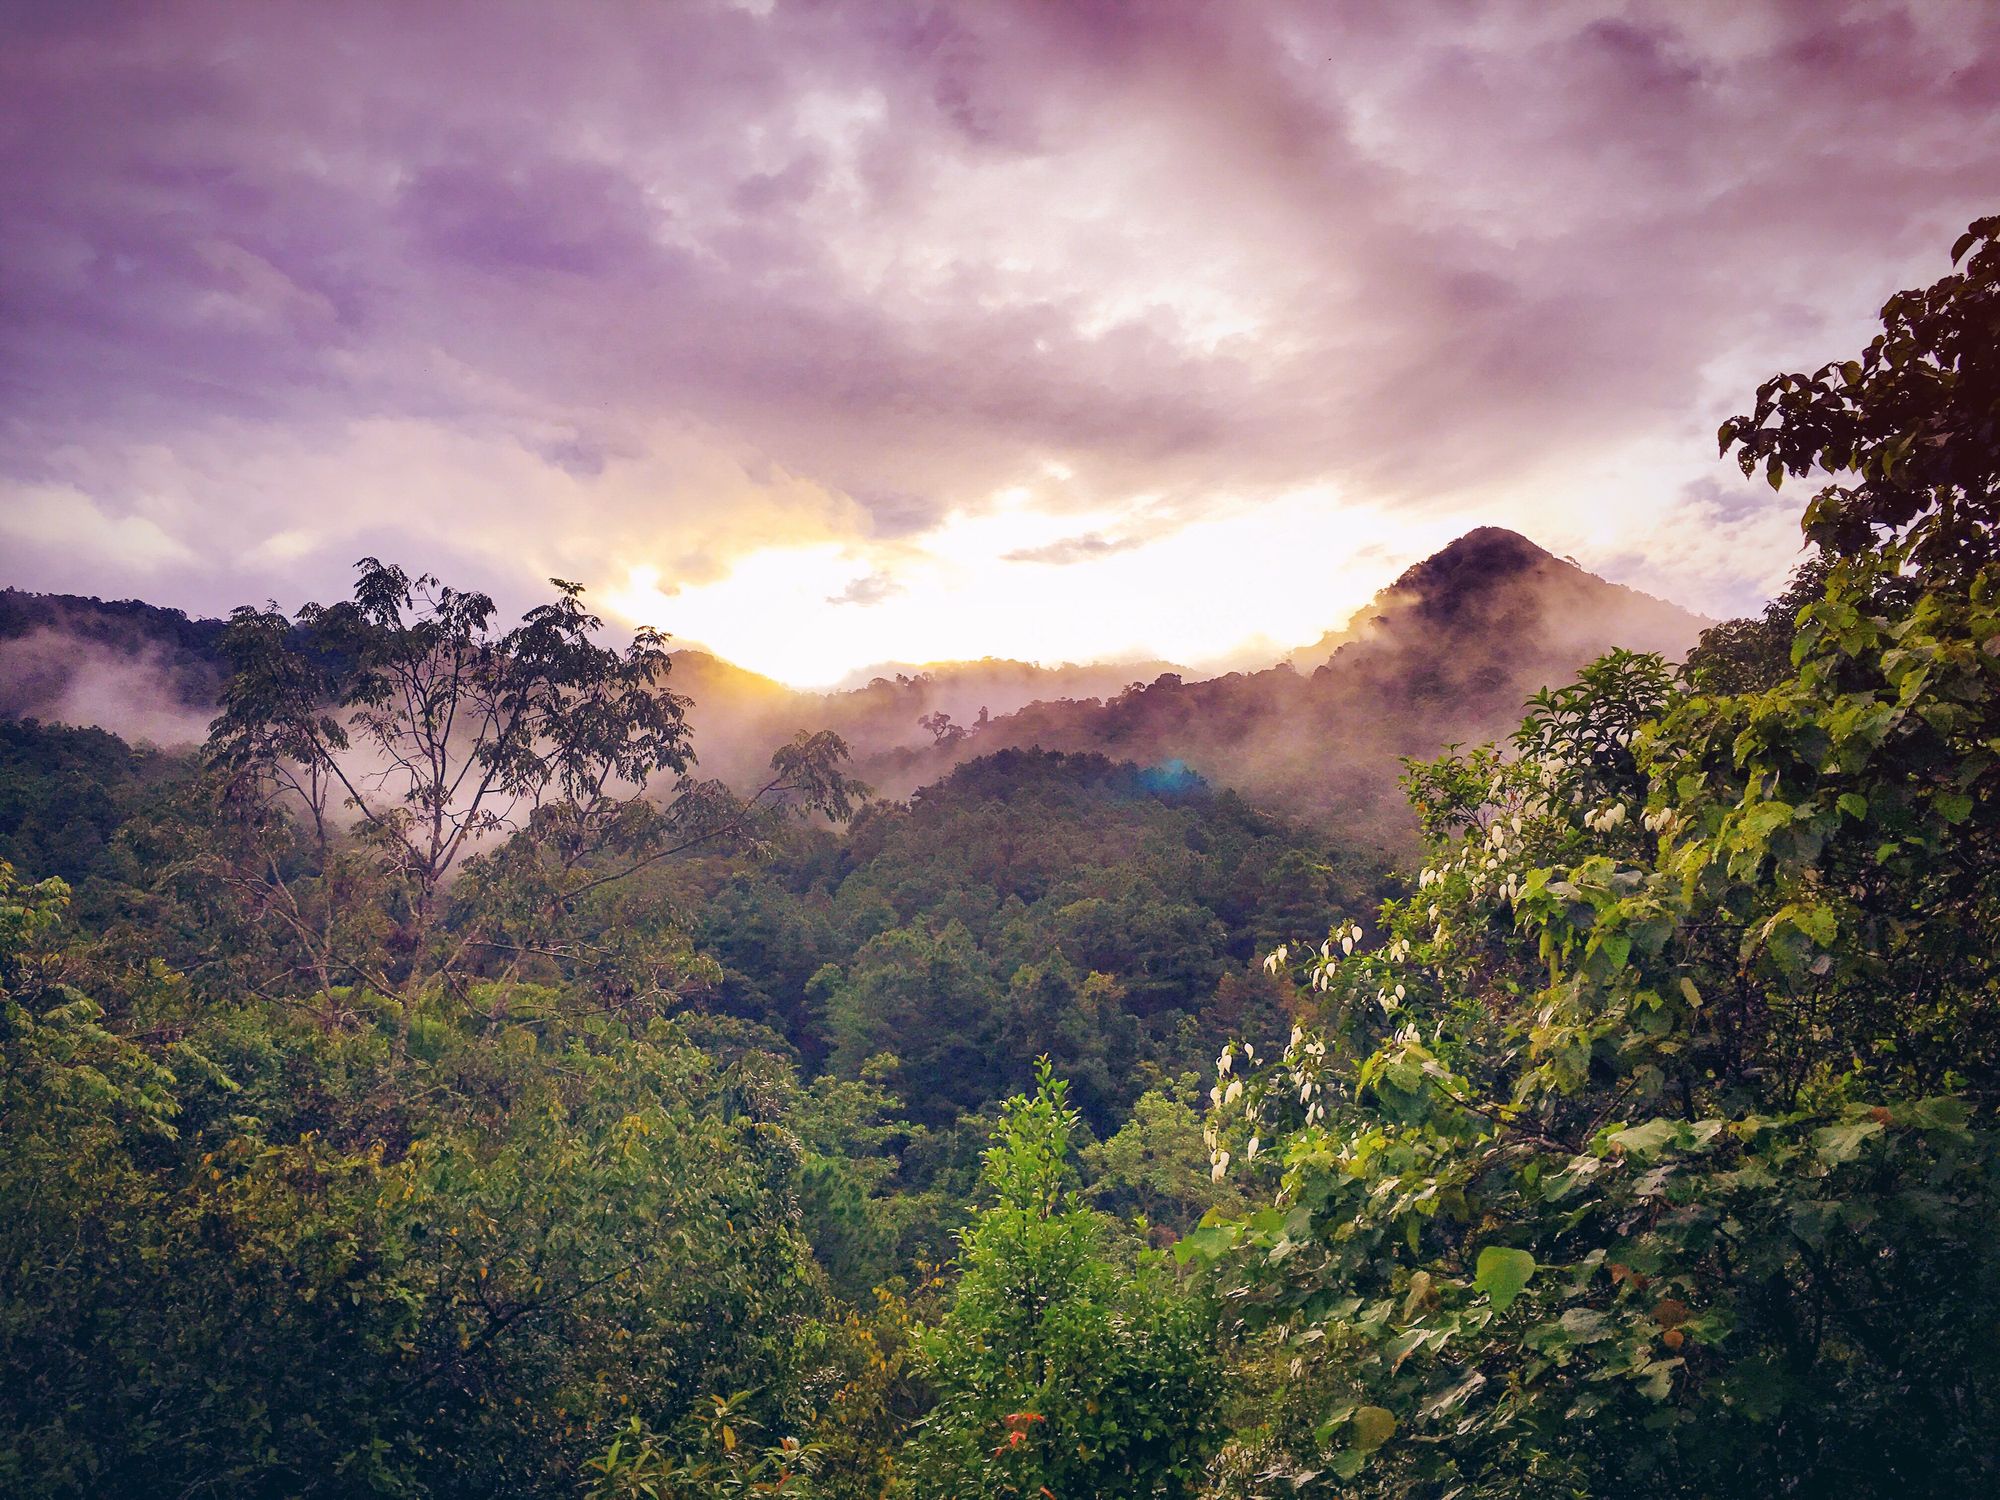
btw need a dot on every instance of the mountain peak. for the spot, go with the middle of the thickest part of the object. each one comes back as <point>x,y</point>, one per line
<point>1493,581</point>
<point>1481,557</point>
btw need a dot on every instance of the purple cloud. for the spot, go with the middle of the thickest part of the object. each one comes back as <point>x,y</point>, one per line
<point>551,289</point>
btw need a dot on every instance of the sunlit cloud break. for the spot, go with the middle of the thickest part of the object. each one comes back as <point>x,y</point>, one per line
<point>962,591</point>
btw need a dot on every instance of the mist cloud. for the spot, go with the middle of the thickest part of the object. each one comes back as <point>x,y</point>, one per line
<point>136,692</point>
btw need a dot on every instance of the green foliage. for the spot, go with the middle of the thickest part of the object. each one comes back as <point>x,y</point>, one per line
<point>716,1456</point>
<point>64,794</point>
<point>1653,1146</point>
<point>930,997</point>
<point>1030,903</point>
<point>1057,1370</point>
<point>250,1256</point>
<point>1749,656</point>
<point>866,1226</point>
<point>1906,429</point>
<point>1154,1170</point>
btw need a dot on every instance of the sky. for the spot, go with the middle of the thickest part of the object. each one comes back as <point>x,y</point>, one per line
<point>823,334</point>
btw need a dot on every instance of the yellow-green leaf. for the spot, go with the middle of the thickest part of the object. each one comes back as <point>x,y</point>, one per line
<point>1373,1426</point>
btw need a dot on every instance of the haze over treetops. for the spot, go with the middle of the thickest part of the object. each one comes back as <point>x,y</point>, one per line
<point>1444,654</point>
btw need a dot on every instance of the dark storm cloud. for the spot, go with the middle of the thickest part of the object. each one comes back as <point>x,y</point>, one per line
<point>694,273</point>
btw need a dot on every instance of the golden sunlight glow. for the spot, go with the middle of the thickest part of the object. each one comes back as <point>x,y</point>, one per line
<point>1219,588</point>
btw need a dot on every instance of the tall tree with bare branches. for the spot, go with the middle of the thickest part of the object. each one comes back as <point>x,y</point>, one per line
<point>407,739</point>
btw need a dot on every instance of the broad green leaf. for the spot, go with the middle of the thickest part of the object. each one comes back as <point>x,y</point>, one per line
<point>1617,947</point>
<point>1642,1141</point>
<point>1204,1244</point>
<point>1501,1272</point>
<point>1941,1112</point>
<point>1840,1143</point>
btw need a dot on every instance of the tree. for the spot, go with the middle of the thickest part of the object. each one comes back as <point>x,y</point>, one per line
<point>942,731</point>
<point>1750,655</point>
<point>413,739</point>
<point>715,1457</point>
<point>244,1254</point>
<point>1156,1167</point>
<point>929,997</point>
<point>1078,1022</point>
<point>1057,1371</point>
<point>1909,430</point>
<point>1654,1145</point>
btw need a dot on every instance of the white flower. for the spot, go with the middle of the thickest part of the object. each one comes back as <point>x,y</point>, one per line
<point>1250,1151</point>
<point>1234,1092</point>
<point>1221,1166</point>
<point>1605,818</point>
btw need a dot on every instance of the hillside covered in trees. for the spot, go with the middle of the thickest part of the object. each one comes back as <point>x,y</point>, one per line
<point>438,1083</point>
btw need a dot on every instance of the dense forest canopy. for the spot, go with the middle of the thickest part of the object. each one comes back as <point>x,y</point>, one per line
<point>435,1087</point>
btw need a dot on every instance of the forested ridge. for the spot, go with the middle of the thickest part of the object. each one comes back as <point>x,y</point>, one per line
<point>441,1084</point>
<point>1445,654</point>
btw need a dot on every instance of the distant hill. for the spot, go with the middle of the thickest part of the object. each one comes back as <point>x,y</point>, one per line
<point>740,716</point>
<point>1447,653</point>
<point>153,675</point>
<point>1497,581</point>
<point>999,684</point>
<point>147,674</point>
